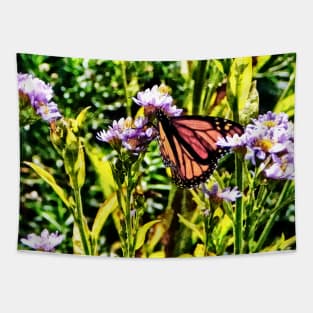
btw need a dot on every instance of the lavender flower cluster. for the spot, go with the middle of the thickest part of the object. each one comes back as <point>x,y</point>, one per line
<point>157,99</point>
<point>39,95</point>
<point>269,140</point>
<point>45,242</point>
<point>217,195</point>
<point>135,135</point>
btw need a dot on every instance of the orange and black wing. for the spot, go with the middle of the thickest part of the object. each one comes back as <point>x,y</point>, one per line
<point>188,146</point>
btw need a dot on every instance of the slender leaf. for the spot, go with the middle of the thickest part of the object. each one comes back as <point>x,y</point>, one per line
<point>261,61</point>
<point>77,242</point>
<point>103,213</point>
<point>81,117</point>
<point>192,227</point>
<point>286,105</point>
<point>157,235</point>
<point>48,178</point>
<point>199,250</point>
<point>141,235</point>
<point>239,81</point>
<point>103,170</point>
<point>157,254</point>
<point>80,166</point>
<point>251,106</point>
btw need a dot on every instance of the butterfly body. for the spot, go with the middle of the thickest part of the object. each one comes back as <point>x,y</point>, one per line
<point>188,145</point>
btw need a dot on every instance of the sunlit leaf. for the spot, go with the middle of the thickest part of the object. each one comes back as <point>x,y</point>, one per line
<point>103,170</point>
<point>251,106</point>
<point>70,153</point>
<point>287,243</point>
<point>157,254</point>
<point>286,105</point>
<point>158,232</point>
<point>81,117</point>
<point>239,81</point>
<point>261,61</point>
<point>281,244</point>
<point>185,255</point>
<point>220,233</point>
<point>77,242</point>
<point>218,65</point>
<point>103,213</point>
<point>199,250</point>
<point>192,227</point>
<point>115,247</point>
<point>117,216</point>
<point>141,235</point>
<point>80,166</point>
<point>48,178</point>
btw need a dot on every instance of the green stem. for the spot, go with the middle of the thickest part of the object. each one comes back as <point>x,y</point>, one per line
<point>130,242</point>
<point>215,78</point>
<point>198,86</point>
<point>129,225</point>
<point>127,98</point>
<point>238,225</point>
<point>272,219</point>
<point>79,219</point>
<point>290,84</point>
<point>208,229</point>
<point>119,194</point>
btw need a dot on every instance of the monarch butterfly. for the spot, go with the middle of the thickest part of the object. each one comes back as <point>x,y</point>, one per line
<point>188,145</point>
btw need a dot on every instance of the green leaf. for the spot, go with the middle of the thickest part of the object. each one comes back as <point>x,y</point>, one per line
<point>79,167</point>
<point>51,219</point>
<point>157,235</point>
<point>103,213</point>
<point>199,81</point>
<point>239,82</point>
<point>103,170</point>
<point>199,250</point>
<point>218,64</point>
<point>70,153</point>
<point>74,159</point>
<point>220,232</point>
<point>141,234</point>
<point>157,254</point>
<point>281,244</point>
<point>251,107</point>
<point>191,226</point>
<point>81,117</point>
<point>77,242</point>
<point>118,216</point>
<point>261,61</point>
<point>48,178</point>
<point>287,243</point>
<point>286,105</point>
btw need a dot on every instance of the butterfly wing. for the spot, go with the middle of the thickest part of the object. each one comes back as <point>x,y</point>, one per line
<point>188,146</point>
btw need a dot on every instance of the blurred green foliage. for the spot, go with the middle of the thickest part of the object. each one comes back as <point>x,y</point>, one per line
<point>108,87</point>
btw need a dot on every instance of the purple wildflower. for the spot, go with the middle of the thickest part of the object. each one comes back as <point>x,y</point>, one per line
<point>269,139</point>
<point>233,142</point>
<point>49,112</point>
<point>155,99</point>
<point>44,242</point>
<point>34,91</point>
<point>226,194</point>
<point>133,135</point>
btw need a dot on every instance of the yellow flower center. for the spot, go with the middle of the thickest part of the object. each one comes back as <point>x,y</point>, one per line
<point>128,123</point>
<point>164,89</point>
<point>269,124</point>
<point>264,144</point>
<point>46,110</point>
